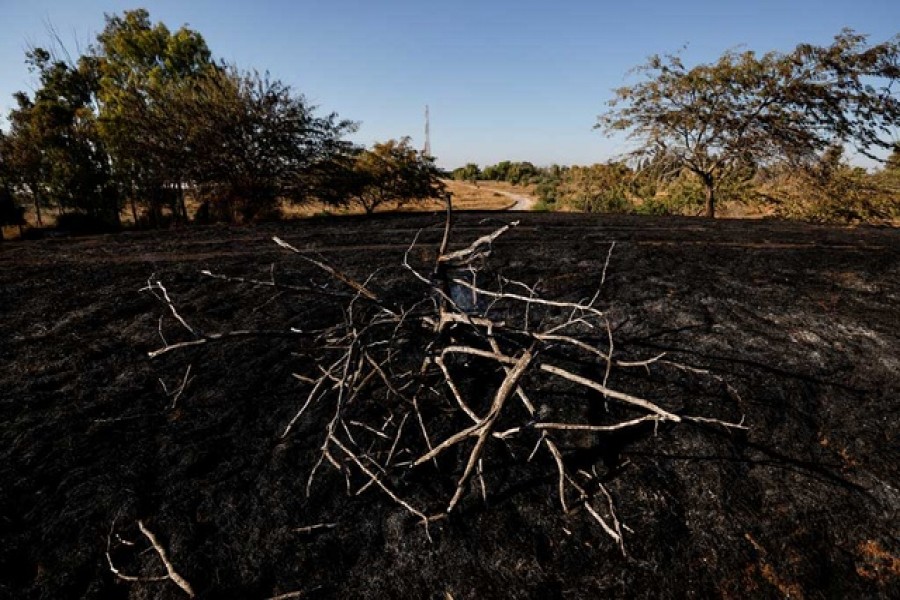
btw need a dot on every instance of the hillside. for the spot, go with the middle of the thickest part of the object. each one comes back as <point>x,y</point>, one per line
<point>792,327</point>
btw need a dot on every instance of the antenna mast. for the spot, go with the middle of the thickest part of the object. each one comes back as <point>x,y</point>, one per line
<point>427,149</point>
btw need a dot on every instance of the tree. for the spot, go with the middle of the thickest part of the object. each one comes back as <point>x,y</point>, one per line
<point>10,212</point>
<point>253,141</point>
<point>137,65</point>
<point>393,171</point>
<point>54,149</point>
<point>746,110</point>
<point>470,172</point>
<point>597,188</point>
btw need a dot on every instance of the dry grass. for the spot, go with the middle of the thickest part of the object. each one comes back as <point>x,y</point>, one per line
<point>485,195</point>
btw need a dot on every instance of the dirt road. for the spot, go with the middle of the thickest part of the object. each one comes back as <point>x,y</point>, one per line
<point>523,202</point>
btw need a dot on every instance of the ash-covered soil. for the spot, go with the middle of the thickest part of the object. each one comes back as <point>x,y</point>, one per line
<point>797,328</point>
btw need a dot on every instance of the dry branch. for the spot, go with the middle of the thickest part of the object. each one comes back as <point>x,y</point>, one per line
<point>171,573</point>
<point>455,369</point>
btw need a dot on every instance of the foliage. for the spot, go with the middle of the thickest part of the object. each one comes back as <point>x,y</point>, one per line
<point>137,64</point>
<point>256,141</point>
<point>146,115</point>
<point>598,188</point>
<point>10,212</point>
<point>52,145</point>
<point>515,173</point>
<point>470,172</point>
<point>830,190</point>
<point>393,171</point>
<point>748,111</point>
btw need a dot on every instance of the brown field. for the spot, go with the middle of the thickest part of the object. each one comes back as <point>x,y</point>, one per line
<point>484,196</point>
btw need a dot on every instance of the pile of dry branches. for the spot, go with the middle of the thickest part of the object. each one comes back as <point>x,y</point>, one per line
<point>461,379</point>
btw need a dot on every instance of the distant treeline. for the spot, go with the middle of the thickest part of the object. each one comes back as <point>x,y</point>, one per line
<point>826,190</point>
<point>147,120</point>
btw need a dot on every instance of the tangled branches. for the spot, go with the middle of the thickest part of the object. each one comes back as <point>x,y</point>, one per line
<point>430,400</point>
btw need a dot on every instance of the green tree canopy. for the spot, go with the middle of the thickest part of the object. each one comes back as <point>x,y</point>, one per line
<point>53,148</point>
<point>137,64</point>
<point>253,139</point>
<point>393,171</point>
<point>745,109</point>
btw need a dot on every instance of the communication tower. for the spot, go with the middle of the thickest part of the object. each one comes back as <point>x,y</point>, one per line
<point>427,149</point>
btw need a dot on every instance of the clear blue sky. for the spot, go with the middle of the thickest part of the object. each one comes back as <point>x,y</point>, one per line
<point>519,80</point>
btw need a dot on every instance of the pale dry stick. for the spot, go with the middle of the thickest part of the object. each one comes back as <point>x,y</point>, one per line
<point>178,392</point>
<point>215,337</point>
<point>542,426</point>
<point>374,477</point>
<point>560,467</point>
<point>439,361</point>
<point>361,289</point>
<point>117,572</point>
<point>614,515</point>
<point>609,354</point>
<point>449,442</point>
<point>640,363</point>
<point>503,392</point>
<point>545,438</point>
<point>170,570</point>
<point>604,525</point>
<point>370,429</point>
<point>726,424</point>
<point>459,349</point>
<point>546,337</point>
<point>526,299</point>
<point>476,249</point>
<point>393,449</point>
<point>380,369</point>
<point>405,262</point>
<point>731,390</point>
<point>596,295</point>
<point>346,358</point>
<point>159,327</point>
<point>309,397</point>
<point>287,596</point>
<point>621,396</point>
<point>316,527</point>
<point>481,480</point>
<point>570,322</point>
<point>273,284</point>
<point>168,301</point>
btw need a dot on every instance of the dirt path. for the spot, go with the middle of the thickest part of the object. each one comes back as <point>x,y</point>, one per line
<point>523,202</point>
<point>520,201</point>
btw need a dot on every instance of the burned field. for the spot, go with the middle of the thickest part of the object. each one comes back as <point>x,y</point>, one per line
<point>111,460</point>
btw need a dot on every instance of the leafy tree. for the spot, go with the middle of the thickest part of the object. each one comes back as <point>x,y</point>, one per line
<point>744,109</point>
<point>10,212</point>
<point>470,172</point>
<point>597,188</point>
<point>393,171</point>
<point>253,142</point>
<point>53,144</point>
<point>137,64</point>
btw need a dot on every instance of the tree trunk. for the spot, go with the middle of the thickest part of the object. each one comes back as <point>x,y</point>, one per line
<point>134,213</point>
<point>710,197</point>
<point>37,205</point>
<point>182,205</point>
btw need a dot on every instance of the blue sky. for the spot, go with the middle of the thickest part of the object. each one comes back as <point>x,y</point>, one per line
<point>518,80</point>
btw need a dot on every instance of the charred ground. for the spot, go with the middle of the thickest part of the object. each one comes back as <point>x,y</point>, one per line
<point>796,324</point>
